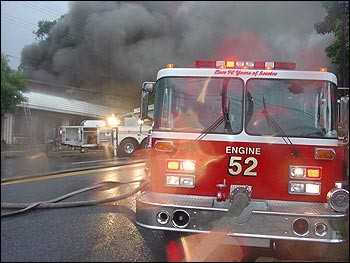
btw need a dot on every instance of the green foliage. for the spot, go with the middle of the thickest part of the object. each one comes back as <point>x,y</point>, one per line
<point>44,27</point>
<point>332,23</point>
<point>12,83</point>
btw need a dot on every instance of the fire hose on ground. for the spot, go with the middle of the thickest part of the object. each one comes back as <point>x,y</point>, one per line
<point>53,203</point>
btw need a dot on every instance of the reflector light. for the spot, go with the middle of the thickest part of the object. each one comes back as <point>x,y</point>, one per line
<point>323,69</point>
<point>324,154</point>
<point>170,65</point>
<point>164,146</point>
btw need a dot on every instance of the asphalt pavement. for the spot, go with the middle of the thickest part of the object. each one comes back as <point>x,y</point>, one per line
<point>24,162</point>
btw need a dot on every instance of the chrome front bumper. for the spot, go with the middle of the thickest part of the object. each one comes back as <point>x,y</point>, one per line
<point>259,222</point>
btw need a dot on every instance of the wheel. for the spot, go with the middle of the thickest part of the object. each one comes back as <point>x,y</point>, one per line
<point>127,147</point>
<point>144,144</point>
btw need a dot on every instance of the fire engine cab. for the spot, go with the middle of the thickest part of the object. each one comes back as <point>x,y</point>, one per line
<point>249,148</point>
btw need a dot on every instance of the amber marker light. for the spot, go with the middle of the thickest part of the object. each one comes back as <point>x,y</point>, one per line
<point>164,146</point>
<point>230,64</point>
<point>324,154</point>
<point>314,173</point>
<point>305,172</point>
<point>173,165</point>
<point>181,165</point>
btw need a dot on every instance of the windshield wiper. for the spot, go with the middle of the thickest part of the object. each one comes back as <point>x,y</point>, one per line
<point>222,118</point>
<point>279,131</point>
<point>212,127</point>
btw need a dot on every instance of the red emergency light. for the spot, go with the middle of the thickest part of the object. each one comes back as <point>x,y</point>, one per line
<point>244,64</point>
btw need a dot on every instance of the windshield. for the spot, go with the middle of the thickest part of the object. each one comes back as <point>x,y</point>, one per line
<point>304,108</point>
<point>300,108</point>
<point>193,104</point>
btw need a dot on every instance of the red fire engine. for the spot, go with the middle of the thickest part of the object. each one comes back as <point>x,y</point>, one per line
<point>249,148</point>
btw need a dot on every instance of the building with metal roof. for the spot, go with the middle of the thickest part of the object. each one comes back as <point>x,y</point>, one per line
<point>45,102</point>
<point>37,119</point>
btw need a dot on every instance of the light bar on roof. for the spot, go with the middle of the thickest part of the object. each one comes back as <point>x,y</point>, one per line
<point>267,65</point>
<point>245,64</point>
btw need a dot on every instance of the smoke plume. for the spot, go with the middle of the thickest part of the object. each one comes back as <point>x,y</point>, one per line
<point>112,47</point>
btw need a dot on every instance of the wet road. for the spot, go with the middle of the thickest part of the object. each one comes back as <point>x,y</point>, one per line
<point>94,233</point>
<point>32,163</point>
<point>106,232</point>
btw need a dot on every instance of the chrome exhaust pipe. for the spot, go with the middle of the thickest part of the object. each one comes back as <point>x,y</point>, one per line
<point>301,227</point>
<point>163,217</point>
<point>180,218</point>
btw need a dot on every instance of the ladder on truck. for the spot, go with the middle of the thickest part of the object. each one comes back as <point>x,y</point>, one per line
<point>28,117</point>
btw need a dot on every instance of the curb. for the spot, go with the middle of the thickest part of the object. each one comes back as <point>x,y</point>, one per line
<point>122,163</point>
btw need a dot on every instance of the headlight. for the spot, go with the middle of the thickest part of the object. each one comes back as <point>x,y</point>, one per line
<point>182,180</point>
<point>306,188</point>
<point>188,166</point>
<point>305,172</point>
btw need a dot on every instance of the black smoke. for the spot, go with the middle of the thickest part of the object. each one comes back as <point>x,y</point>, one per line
<point>112,47</point>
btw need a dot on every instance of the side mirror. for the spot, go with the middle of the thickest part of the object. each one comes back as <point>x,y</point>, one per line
<point>344,111</point>
<point>343,122</point>
<point>147,89</point>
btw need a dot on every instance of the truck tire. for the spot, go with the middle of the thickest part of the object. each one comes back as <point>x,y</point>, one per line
<point>127,147</point>
<point>144,144</point>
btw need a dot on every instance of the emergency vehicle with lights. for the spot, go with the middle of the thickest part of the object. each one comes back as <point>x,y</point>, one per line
<point>129,137</point>
<point>249,148</point>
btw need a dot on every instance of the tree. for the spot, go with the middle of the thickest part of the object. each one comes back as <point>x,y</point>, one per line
<point>12,83</point>
<point>44,27</point>
<point>337,22</point>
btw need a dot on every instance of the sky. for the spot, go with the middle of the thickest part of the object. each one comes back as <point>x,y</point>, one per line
<point>19,19</point>
<point>111,47</point>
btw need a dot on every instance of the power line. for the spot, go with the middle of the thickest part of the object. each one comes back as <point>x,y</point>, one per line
<point>27,4</point>
<point>13,56</point>
<point>16,18</point>
<point>31,5</point>
<point>48,8</point>
<point>27,25</point>
<point>17,23</point>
